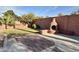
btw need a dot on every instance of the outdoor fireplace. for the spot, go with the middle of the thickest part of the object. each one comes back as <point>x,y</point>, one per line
<point>53,26</point>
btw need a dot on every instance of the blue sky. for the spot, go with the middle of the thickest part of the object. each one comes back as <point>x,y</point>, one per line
<point>40,10</point>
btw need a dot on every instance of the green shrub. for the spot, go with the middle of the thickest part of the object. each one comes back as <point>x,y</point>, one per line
<point>34,26</point>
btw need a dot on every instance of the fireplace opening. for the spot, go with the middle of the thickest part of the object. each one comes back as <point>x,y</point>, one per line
<point>53,27</point>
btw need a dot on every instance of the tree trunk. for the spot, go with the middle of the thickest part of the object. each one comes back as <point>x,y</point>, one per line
<point>14,26</point>
<point>5,26</point>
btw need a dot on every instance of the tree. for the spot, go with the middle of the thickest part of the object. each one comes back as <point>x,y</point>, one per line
<point>75,12</point>
<point>28,17</point>
<point>60,14</point>
<point>47,16</point>
<point>1,22</point>
<point>9,18</point>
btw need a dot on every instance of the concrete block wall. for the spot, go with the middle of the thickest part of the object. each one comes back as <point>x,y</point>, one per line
<point>18,26</point>
<point>68,24</point>
<point>62,24</point>
<point>73,25</point>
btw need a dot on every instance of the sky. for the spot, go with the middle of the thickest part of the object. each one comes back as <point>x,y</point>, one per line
<point>50,11</point>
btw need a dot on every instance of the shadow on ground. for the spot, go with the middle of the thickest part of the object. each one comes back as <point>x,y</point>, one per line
<point>71,37</point>
<point>35,43</point>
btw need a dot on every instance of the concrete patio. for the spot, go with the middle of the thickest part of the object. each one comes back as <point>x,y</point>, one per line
<point>65,43</point>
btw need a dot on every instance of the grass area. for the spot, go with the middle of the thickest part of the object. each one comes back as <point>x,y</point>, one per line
<point>13,31</point>
<point>29,30</point>
<point>10,32</point>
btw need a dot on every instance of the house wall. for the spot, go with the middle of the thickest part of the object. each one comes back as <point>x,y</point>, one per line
<point>44,23</point>
<point>20,26</point>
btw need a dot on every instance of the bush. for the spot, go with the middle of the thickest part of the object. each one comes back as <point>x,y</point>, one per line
<point>38,27</point>
<point>34,26</point>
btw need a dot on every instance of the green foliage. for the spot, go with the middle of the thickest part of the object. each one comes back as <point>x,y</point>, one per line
<point>60,14</point>
<point>34,26</point>
<point>28,18</point>
<point>1,22</point>
<point>9,18</point>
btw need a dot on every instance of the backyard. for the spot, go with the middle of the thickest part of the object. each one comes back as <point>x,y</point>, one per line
<point>30,32</point>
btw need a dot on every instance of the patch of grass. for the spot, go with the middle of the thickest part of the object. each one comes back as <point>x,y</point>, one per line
<point>10,32</point>
<point>29,30</point>
<point>33,30</point>
<point>17,32</point>
<point>7,31</point>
